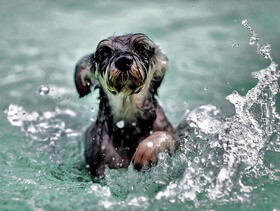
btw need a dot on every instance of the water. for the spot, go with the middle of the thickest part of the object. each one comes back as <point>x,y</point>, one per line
<point>229,155</point>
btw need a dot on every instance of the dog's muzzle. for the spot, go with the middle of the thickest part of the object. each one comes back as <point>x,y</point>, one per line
<point>126,74</point>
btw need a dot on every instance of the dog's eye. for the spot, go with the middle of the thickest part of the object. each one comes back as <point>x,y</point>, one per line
<point>151,52</point>
<point>103,53</point>
<point>106,53</point>
<point>140,48</point>
<point>144,50</point>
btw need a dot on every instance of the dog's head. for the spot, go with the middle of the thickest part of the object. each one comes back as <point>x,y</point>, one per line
<point>122,64</point>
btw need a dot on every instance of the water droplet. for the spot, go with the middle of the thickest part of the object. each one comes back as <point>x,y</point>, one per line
<point>265,51</point>
<point>205,88</point>
<point>244,22</point>
<point>172,200</point>
<point>120,124</point>
<point>234,45</point>
<point>192,124</point>
<point>44,90</point>
<point>150,144</point>
<point>253,40</point>
<point>48,114</point>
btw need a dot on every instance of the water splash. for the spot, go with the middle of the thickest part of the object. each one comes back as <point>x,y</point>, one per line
<point>262,50</point>
<point>240,141</point>
<point>45,126</point>
<point>217,154</point>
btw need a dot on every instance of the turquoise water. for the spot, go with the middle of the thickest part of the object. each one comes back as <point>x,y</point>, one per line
<point>42,120</point>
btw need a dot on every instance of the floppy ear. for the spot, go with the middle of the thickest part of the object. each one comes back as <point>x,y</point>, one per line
<point>85,75</point>
<point>159,64</point>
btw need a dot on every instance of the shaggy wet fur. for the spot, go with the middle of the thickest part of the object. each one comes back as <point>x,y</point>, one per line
<point>130,125</point>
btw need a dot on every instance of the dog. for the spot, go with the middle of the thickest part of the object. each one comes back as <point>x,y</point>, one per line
<point>130,126</point>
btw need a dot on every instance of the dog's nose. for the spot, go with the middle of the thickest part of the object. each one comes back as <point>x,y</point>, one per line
<point>123,63</point>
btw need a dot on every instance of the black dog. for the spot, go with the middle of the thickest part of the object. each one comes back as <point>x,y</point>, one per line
<point>130,124</point>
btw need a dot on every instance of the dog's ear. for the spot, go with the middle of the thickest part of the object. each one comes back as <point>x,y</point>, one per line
<point>85,75</point>
<point>159,64</point>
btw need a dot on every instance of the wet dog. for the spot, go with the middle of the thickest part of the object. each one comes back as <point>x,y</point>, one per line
<point>131,125</point>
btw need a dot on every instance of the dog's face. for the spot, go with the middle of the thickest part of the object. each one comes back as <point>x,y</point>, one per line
<point>123,62</point>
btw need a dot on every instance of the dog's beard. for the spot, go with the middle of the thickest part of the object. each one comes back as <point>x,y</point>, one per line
<point>131,81</point>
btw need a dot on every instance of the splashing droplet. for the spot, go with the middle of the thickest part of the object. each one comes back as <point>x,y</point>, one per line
<point>253,40</point>
<point>265,51</point>
<point>234,45</point>
<point>44,90</point>
<point>244,22</point>
<point>150,144</point>
<point>120,124</point>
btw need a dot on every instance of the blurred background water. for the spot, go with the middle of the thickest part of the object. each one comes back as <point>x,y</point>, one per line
<point>42,120</point>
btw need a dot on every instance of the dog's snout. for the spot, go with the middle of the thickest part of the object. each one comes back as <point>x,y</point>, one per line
<point>124,63</point>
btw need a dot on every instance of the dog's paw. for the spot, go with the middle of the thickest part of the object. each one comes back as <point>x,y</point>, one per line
<point>146,153</point>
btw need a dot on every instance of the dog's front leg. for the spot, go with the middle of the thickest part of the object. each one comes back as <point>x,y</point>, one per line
<point>147,151</point>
